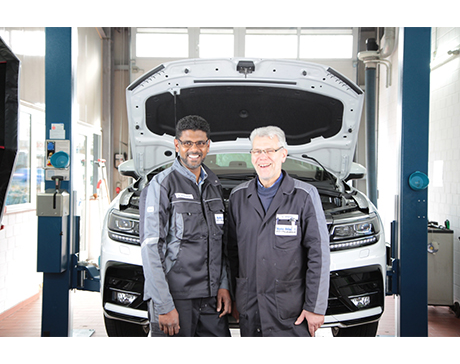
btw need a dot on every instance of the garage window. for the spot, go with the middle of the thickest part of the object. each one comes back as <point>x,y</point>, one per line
<point>326,43</point>
<point>28,42</point>
<point>271,43</point>
<point>162,42</point>
<point>28,174</point>
<point>303,43</point>
<point>20,184</point>
<point>216,43</point>
<point>290,43</point>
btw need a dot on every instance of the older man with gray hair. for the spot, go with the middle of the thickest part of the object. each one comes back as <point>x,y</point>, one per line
<point>278,246</point>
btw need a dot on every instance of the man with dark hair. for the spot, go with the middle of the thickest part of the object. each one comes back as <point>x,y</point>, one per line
<point>192,122</point>
<point>181,230</point>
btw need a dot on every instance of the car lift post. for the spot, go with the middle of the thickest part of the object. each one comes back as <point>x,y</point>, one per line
<point>58,230</point>
<point>54,231</point>
<point>414,103</point>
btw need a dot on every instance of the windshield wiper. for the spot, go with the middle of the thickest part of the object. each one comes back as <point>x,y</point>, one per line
<point>241,176</point>
<point>328,174</point>
<point>305,179</point>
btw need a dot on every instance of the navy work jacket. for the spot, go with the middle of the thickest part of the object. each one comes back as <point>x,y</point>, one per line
<point>181,230</point>
<point>279,259</point>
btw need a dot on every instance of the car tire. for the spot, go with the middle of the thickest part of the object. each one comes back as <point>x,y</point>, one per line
<point>117,328</point>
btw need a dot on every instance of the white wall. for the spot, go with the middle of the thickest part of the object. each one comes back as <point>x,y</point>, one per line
<point>388,149</point>
<point>19,279</point>
<point>444,144</point>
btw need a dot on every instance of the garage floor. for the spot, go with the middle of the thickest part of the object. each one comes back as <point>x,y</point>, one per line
<point>25,319</point>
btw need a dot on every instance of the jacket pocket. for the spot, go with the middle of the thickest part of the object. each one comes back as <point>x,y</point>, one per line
<point>290,297</point>
<point>286,242</point>
<point>216,216</point>
<point>189,220</point>
<point>287,231</point>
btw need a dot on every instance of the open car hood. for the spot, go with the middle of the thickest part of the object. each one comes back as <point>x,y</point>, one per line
<point>318,108</point>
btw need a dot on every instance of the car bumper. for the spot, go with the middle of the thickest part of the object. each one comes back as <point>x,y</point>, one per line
<point>365,279</point>
<point>121,271</point>
<point>356,296</point>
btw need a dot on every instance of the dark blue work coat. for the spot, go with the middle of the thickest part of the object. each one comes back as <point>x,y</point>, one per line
<point>279,259</point>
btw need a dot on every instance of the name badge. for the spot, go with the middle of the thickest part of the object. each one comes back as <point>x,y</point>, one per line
<point>184,195</point>
<point>219,219</point>
<point>286,224</point>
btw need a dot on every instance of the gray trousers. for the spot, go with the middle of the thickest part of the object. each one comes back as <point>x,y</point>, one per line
<point>197,317</point>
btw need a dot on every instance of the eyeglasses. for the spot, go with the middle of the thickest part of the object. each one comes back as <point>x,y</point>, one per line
<point>269,151</point>
<point>188,144</point>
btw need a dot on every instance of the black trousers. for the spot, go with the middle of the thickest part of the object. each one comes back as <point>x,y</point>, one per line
<point>197,317</point>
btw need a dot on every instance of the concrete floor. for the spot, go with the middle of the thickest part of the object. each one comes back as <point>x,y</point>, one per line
<point>25,319</point>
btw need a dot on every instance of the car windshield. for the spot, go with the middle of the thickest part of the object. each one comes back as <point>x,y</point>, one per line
<point>238,166</point>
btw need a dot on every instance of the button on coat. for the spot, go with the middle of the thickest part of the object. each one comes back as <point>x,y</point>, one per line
<point>280,259</point>
<point>181,232</point>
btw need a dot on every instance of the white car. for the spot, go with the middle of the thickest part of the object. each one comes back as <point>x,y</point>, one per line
<point>318,108</point>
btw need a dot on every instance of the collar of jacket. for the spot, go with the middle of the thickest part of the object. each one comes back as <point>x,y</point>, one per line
<point>286,184</point>
<point>209,175</point>
<point>286,188</point>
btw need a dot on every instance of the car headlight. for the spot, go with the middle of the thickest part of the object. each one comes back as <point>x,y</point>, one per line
<point>355,234</point>
<point>124,227</point>
<point>124,298</point>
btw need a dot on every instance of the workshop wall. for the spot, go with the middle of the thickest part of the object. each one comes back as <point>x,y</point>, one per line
<point>388,140</point>
<point>88,77</point>
<point>444,146</point>
<point>19,279</point>
<point>444,134</point>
